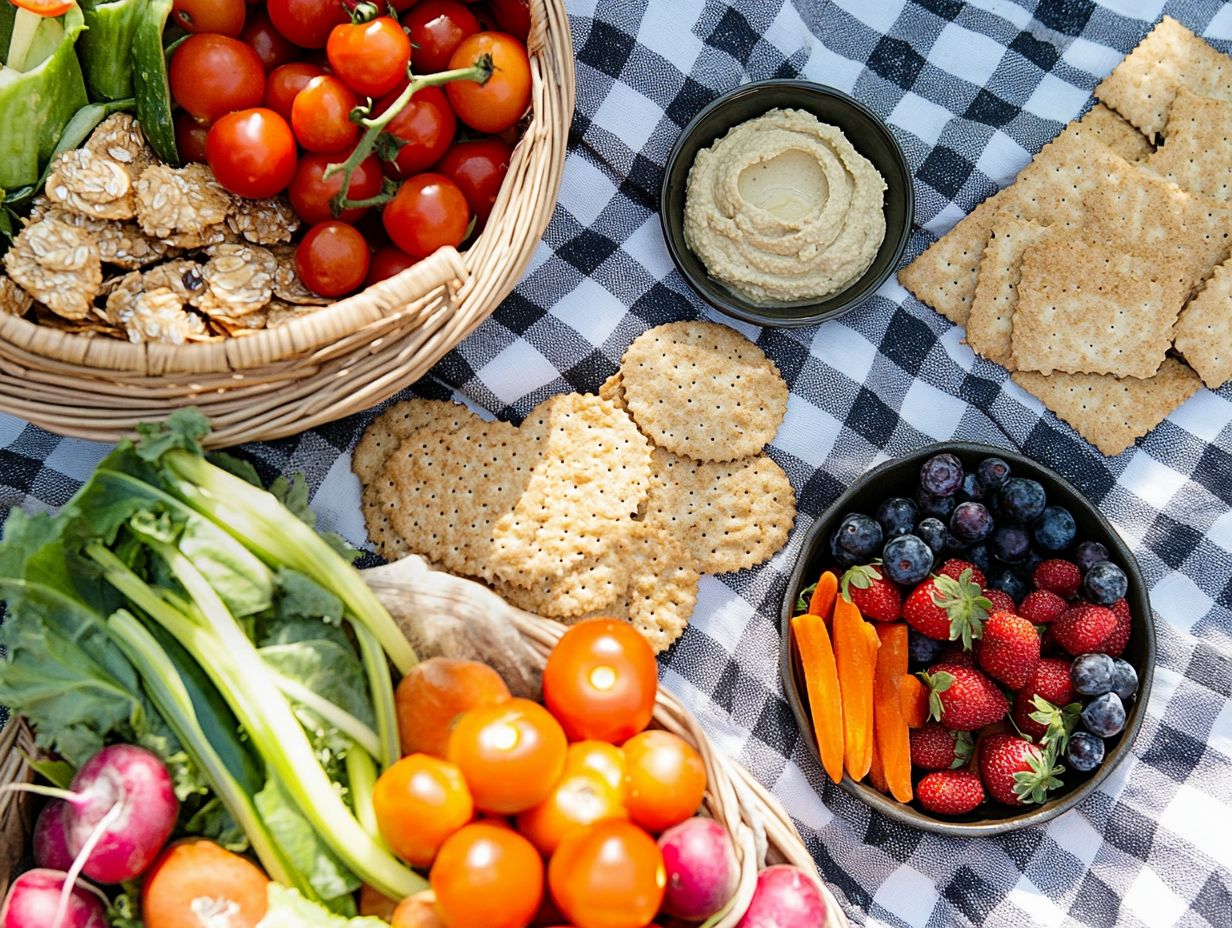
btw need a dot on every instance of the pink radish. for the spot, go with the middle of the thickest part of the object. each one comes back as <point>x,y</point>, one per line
<point>702,870</point>
<point>36,900</point>
<point>785,897</point>
<point>51,837</point>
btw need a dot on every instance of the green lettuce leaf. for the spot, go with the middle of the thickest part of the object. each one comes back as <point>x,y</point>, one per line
<point>307,853</point>
<point>288,909</point>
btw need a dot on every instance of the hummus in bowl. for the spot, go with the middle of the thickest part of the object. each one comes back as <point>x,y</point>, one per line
<point>782,208</point>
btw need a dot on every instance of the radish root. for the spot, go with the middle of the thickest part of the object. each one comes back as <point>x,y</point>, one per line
<point>79,862</point>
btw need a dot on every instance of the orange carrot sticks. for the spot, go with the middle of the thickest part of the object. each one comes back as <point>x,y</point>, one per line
<point>893,741</point>
<point>822,601</point>
<point>876,771</point>
<point>855,648</point>
<point>821,681</point>
<point>913,700</point>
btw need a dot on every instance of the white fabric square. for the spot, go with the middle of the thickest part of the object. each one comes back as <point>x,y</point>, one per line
<point>591,310</point>
<point>967,54</point>
<point>585,190</point>
<point>1002,159</point>
<point>77,459</point>
<point>1221,531</point>
<point>799,795</point>
<point>1179,601</point>
<point>1151,481</point>
<point>721,616</point>
<point>808,432</point>
<point>1220,26</point>
<point>629,116</point>
<point>516,371</point>
<point>647,248</point>
<point>933,412</point>
<point>1056,99</point>
<point>909,894</point>
<point>1152,902</point>
<point>1005,10</point>
<point>1146,10</point>
<point>1198,816</point>
<point>1043,912</point>
<point>1204,415</point>
<point>665,29</point>
<point>1163,688</point>
<point>844,349</point>
<point>1092,57</point>
<point>878,16</point>
<point>332,502</point>
<point>945,220</point>
<point>1221,731</point>
<point>1073,832</point>
<point>922,118</point>
<point>829,67</point>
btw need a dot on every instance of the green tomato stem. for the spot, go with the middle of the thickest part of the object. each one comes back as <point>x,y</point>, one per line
<point>25,25</point>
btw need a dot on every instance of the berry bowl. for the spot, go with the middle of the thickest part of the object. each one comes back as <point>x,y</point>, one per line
<point>1042,579</point>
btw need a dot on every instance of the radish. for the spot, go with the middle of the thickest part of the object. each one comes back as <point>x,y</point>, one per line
<point>51,838</point>
<point>702,870</point>
<point>785,897</point>
<point>37,900</point>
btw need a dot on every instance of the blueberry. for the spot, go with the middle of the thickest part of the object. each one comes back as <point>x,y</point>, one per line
<point>859,535</point>
<point>1055,529</point>
<point>1022,499</point>
<point>954,546</point>
<point>1026,567</point>
<point>1104,716</point>
<point>840,554</point>
<point>1105,583</point>
<point>971,522</point>
<point>1088,554</point>
<point>1091,674</point>
<point>934,534</point>
<point>1010,543</point>
<point>1009,583</point>
<point>941,475</point>
<point>992,473</point>
<point>939,507</point>
<point>897,515</point>
<point>1086,752</point>
<point>978,555</point>
<point>971,489</point>
<point>922,649</point>
<point>1124,679</point>
<point>907,559</point>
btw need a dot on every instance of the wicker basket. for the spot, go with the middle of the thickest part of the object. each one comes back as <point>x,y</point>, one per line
<point>341,360</point>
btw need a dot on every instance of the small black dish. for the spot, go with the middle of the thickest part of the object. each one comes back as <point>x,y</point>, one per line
<point>870,137</point>
<point>900,477</point>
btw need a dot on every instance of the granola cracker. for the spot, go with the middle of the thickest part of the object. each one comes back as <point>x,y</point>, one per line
<point>58,265</point>
<point>119,138</point>
<point>86,183</point>
<point>14,301</point>
<point>239,279</point>
<point>263,222</point>
<point>182,205</point>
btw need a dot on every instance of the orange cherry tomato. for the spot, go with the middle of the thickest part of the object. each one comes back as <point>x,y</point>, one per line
<point>486,876</point>
<point>495,106</point>
<point>665,779</point>
<point>321,115</point>
<point>511,754</point>
<point>608,875</point>
<point>602,758</point>
<point>582,797</point>
<point>370,57</point>
<point>45,7</point>
<point>194,867</point>
<point>600,681</point>
<point>419,802</point>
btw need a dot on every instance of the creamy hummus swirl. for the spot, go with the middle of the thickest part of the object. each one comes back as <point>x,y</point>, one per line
<point>782,208</point>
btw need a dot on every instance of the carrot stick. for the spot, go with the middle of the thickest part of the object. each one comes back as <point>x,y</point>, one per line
<point>876,771</point>
<point>821,681</point>
<point>889,724</point>
<point>913,700</point>
<point>822,601</point>
<point>854,649</point>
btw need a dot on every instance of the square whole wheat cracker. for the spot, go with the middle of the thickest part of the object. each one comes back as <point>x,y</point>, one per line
<point>991,322</point>
<point>1112,413</point>
<point>1142,87</point>
<point>1091,309</point>
<point>1198,152</point>
<point>1204,331</point>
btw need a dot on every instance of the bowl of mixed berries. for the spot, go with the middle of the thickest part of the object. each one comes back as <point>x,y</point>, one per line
<point>968,643</point>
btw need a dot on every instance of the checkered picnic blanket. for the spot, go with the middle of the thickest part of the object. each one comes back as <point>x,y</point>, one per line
<point>971,90</point>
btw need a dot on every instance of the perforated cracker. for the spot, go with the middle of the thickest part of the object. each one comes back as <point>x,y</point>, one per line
<point>391,427</point>
<point>613,390</point>
<point>703,390</point>
<point>1198,152</point>
<point>590,587</point>
<point>1112,413</point>
<point>1122,136</point>
<point>1204,331</point>
<point>726,516</point>
<point>1142,87</point>
<point>991,321</point>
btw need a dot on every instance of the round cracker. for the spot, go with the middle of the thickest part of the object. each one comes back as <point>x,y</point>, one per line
<point>593,586</point>
<point>703,390</point>
<point>388,430</point>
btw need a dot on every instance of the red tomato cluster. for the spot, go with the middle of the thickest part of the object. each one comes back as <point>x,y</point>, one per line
<point>568,795</point>
<point>273,95</point>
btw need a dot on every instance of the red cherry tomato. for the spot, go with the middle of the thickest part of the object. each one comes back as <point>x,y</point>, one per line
<point>284,84</point>
<point>321,115</point>
<point>478,167</point>
<point>270,45</point>
<point>212,75</point>
<point>402,5</point>
<point>307,22</point>
<point>332,260</point>
<point>190,137</point>
<point>221,16</point>
<point>428,212</point>
<point>427,125</point>
<point>311,194</point>
<point>372,58</point>
<point>386,263</point>
<point>512,16</point>
<point>252,153</point>
<point>437,28</point>
<point>498,104</point>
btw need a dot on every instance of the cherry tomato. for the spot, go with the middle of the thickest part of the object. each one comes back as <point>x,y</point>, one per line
<point>321,115</point>
<point>44,7</point>
<point>665,779</point>
<point>600,757</point>
<point>426,125</point>
<point>419,802</point>
<point>512,16</point>
<point>307,22</point>
<point>311,194</point>
<point>284,84</point>
<point>486,876</point>
<point>402,5</point>
<point>372,58</point>
<point>252,153</point>
<point>333,258</point>
<point>270,45</point>
<point>582,797</point>
<point>478,168</point>
<point>221,16</point>
<point>190,137</point>
<point>437,28</point>
<point>608,875</point>
<point>498,104</point>
<point>428,212</point>
<point>511,754</point>
<point>387,262</point>
<point>212,75</point>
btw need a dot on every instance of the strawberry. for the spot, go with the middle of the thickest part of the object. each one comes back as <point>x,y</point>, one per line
<point>1058,576</point>
<point>875,597</point>
<point>1042,606</point>
<point>962,698</point>
<point>1010,649</point>
<point>1051,682</point>
<point>955,654</point>
<point>1084,628</point>
<point>935,747</point>
<point>954,567</point>
<point>947,609</point>
<point>950,792</point>
<point>1001,601</point>
<point>1017,772</point>
<point>1118,638</point>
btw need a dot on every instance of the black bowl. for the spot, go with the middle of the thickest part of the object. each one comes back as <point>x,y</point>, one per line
<point>900,478</point>
<point>870,137</point>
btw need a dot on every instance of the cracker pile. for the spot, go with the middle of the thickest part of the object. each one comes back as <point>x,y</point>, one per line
<point>1102,276</point>
<point>608,504</point>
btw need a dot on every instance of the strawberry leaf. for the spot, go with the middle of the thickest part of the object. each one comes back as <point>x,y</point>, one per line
<point>1059,723</point>
<point>861,577</point>
<point>964,747</point>
<point>1032,786</point>
<point>965,604</point>
<point>937,684</point>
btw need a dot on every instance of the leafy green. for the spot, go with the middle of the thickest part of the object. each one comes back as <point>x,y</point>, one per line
<point>330,879</point>
<point>288,909</point>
